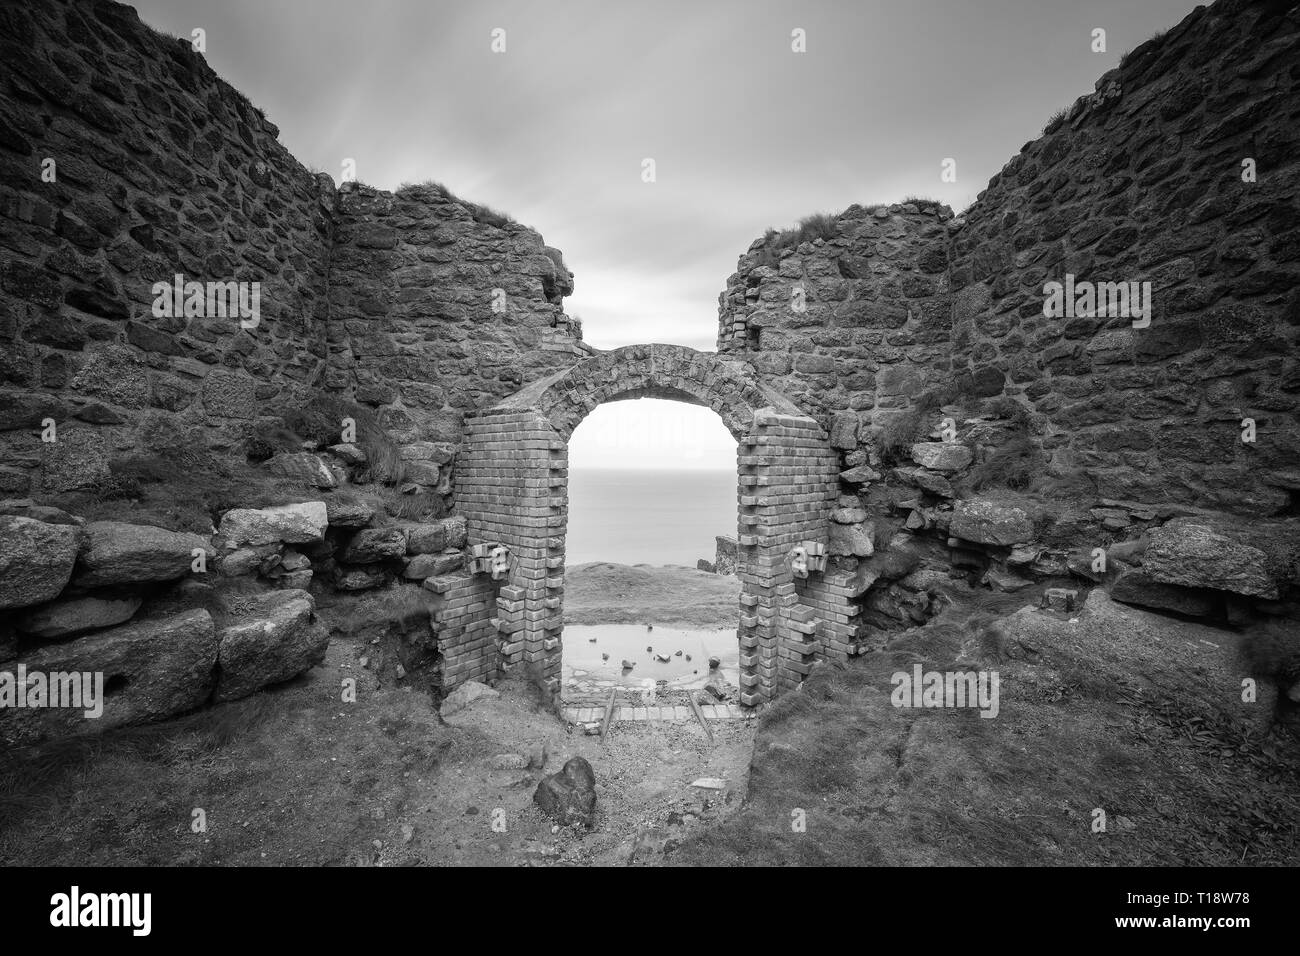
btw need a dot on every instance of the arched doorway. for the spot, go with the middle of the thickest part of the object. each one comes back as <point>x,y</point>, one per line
<point>511,486</point>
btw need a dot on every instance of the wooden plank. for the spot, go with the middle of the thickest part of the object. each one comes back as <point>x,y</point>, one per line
<point>609,713</point>
<point>699,715</point>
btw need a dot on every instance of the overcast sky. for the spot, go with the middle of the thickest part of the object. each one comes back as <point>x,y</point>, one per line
<point>744,132</point>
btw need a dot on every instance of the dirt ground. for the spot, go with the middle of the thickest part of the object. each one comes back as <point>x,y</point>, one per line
<point>1112,709</point>
<point>604,593</point>
<point>1123,738</point>
<point>296,776</point>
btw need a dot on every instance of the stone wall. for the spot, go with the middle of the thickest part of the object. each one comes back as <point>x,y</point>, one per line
<point>421,306</point>
<point>125,162</point>
<point>439,308</point>
<point>985,441</point>
<point>1139,181</point>
<point>902,400</point>
<point>132,617</point>
<point>848,322</point>
<point>158,168</point>
<point>1143,181</point>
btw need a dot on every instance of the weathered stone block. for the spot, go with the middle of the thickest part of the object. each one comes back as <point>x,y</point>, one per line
<point>370,545</point>
<point>300,523</point>
<point>77,616</point>
<point>36,560</point>
<point>431,565</point>
<point>116,375</point>
<point>228,394</point>
<point>152,669</point>
<point>436,536</point>
<point>118,553</point>
<point>346,514</point>
<point>1189,553</point>
<point>464,695</point>
<point>569,797</point>
<point>985,522</point>
<point>941,456</point>
<point>1133,586</point>
<point>280,640</point>
<point>302,466</point>
<point>850,540</point>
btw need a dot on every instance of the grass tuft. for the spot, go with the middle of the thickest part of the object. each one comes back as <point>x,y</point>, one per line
<point>909,426</point>
<point>1055,121</point>
<point>1016,464</point>
<point>480,212</point>
<point>811,228</point>
<point>321,421</point>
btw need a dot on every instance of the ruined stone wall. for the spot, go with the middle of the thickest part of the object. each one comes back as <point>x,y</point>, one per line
<point>983,441</point>
<point>440,308</point>
<point>1140,181</point>
<point>125,161</point>
<point>851,322</point>
<point>419,305</point>
<point>1143,181</point>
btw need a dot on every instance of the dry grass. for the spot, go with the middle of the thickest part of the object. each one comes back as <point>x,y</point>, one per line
<point>1124,59</point>
<point>321,421</point>
<point>418,506</point>
<point>1017,464</point>
<point>480,212</point>
<point>406,607</point>
<point>183,741</point>
<point>1056,120</point>
<point>811,228</point>
<point>286,777</point>
<point>1181,775</point>
<point>393,629</point>
<point>1008,409</point>
<point>913,424</point>
<point>184,491</point>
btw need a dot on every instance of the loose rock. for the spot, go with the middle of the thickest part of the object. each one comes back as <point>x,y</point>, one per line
<point>569,797</point>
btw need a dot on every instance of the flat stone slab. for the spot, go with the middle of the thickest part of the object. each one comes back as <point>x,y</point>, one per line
<point>583,715</point>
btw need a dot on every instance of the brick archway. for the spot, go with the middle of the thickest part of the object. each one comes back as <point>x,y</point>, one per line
<point>511,486</point>
<point>671,372</point>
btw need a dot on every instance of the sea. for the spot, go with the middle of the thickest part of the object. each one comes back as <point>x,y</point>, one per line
<point>648,517</point>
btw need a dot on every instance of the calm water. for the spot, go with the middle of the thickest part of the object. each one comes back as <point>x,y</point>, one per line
<point>648,517</point>
<point>588,675</point>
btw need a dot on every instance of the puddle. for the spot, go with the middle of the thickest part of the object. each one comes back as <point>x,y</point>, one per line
<point>587,677</point>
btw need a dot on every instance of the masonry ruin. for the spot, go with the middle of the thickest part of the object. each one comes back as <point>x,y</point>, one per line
<point>512,478</point>
<point>877,423</point>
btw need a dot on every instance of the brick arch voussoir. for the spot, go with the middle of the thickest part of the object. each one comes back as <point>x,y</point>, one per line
<point>675,372</point>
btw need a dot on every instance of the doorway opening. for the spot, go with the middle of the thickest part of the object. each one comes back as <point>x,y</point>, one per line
<point>651,490</point>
